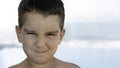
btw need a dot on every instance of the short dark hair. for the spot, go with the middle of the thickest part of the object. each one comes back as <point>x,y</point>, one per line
<point>46,7</point>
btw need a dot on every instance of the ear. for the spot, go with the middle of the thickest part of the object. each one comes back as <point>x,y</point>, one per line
<point>62,34</point>
<point>19,35</point>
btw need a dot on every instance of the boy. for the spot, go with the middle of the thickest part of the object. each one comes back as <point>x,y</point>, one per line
<point>40,31</point>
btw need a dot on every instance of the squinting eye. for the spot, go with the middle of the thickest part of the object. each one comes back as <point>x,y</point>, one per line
<point>51,34</point>
<point>31,33</point>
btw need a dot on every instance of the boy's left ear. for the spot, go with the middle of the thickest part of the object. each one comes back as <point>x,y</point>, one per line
<point>62,34</point>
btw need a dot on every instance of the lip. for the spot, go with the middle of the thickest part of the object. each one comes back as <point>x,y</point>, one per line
<point>40,51</point>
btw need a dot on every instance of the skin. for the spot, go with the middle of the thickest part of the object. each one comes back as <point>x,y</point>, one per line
<point>40,36</point>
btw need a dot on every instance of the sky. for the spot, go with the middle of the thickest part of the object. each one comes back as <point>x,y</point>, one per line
<point>77,11</point>
<point>92,11</point>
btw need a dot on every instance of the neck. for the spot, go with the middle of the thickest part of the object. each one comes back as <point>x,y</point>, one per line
<point>48,64</point>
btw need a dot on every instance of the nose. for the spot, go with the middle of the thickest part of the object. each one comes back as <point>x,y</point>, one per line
<point>40,42</point>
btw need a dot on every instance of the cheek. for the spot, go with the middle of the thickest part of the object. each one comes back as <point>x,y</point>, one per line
<point>53,44</point>
<point>27,44</point>
<point>28,40</point>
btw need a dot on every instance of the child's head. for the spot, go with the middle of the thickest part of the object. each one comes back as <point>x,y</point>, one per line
<point>40,31</point>
<point>45,7</point>
<point>40,28</point>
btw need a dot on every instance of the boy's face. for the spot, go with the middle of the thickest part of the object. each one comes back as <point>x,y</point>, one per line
<point>40,36</point>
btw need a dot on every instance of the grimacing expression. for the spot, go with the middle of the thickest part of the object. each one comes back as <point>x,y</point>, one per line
<point>40,36</point>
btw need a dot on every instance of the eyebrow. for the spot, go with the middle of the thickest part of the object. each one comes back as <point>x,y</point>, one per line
<point>27,30</point>
<point>56,31</point>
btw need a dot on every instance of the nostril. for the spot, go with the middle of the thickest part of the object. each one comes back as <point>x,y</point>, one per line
<point>39,48</point>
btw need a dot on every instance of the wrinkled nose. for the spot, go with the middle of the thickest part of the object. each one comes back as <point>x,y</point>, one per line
<point>40,43</point>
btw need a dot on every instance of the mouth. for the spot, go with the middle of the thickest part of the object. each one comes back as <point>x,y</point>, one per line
<point>40,51</point>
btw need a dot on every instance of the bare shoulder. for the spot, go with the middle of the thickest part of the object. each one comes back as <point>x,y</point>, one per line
<point>12,67</point>
<point>15,66</point>
<point>20,65</point>
<point>71,65</point>
<point>68,65</point>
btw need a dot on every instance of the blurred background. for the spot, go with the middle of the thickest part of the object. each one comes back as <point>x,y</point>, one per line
<point>92,37</point>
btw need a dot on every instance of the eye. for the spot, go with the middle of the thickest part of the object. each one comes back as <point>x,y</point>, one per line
<point>31,33</point>
<point>51,34</point>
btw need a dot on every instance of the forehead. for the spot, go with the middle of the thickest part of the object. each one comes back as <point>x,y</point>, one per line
<point>38,15</point>
<point>39,21</point>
